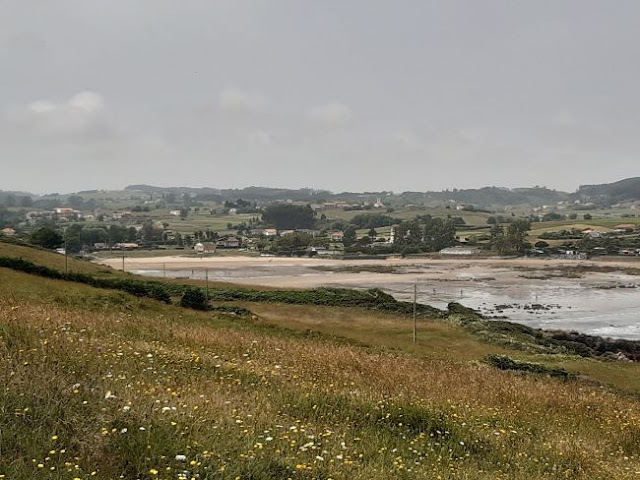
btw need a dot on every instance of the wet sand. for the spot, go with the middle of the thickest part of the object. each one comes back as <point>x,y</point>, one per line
<point>550,294</point>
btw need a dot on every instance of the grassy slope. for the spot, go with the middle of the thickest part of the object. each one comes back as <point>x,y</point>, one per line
<point>250,400</point>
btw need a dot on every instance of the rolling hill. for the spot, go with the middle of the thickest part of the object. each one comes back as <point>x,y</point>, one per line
<point>98,383</point>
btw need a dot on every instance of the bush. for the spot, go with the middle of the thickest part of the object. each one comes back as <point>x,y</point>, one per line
<point>502,362</point>
<point>195,299</point>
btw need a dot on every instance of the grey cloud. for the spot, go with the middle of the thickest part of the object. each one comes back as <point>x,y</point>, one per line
<point>367,94</point>
<point>234,98</point>
<point>333,113</point>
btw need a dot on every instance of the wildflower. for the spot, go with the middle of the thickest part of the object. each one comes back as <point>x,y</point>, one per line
<point>181,458</point>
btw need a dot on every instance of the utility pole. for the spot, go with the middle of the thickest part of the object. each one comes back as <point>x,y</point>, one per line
<point>123,262</point>
<point>206,281</point>
<point>415,316</point>
<point>164,270</point>
<point>66,255</point>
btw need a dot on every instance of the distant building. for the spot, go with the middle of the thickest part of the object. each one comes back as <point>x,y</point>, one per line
<point>270,232</point>
<point>209,247</point>
<point>63,210</point>
<point>205,247</point>
<point>284,233</point>
<point>229,242</point>
<point>459,251</point>
<point>337,236</point>
<point>9,232</point>
<point>332,251</point>
<point>175,213</point>
<point>393,233</point>
<point>126,246</point>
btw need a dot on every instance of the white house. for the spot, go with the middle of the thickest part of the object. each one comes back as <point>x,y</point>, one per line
<point>459,251</point>
<point>337,236</point>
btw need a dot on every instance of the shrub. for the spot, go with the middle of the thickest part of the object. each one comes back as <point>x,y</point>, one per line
<point>195,299</point>
<point>503,362</point>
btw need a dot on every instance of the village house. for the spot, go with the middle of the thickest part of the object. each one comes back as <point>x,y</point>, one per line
<point>230,241</point>
<point>205,247</point>
<point>459,250</point>
<point>63,210</point>
<point>331,251</point>
<point>270,232</point>
<point>126,246</point>
<point>209,247</point>
<point>9,232</point>
<point>337,236</point>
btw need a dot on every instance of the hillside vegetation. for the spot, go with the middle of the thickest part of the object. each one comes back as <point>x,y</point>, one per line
<point>99,383</point>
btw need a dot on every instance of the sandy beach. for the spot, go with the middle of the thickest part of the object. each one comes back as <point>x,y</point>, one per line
<point>600,297</point>
<point>312,272</point>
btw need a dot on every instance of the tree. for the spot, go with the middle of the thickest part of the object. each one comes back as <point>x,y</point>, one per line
<point>47,238</point>
<point>75,201</point>
<point>548,217</point>
<point>10,200</point>
<point>286,216</point>
<point>438,234</point>
<point>517,233</point>
<point>587,216</point>
<point>511,240</point>
<point>150,232</point>
<point>194,298</point>
<point>350,236</point>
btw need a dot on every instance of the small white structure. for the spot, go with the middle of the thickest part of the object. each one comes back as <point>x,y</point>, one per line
<point>458,250</point>
<point>199,247</point>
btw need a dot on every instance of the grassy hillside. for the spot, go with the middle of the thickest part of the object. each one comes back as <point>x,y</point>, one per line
<point>101,384</point>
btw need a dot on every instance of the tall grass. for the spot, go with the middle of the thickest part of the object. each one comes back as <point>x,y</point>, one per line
<point>130,388</point>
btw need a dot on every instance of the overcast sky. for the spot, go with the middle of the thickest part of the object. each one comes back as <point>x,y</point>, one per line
<point>337,94</point>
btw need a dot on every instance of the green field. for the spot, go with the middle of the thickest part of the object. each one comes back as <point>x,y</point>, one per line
<point>101,384</point>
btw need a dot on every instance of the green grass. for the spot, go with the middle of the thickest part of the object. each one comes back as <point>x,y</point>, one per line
<point>101,384</point>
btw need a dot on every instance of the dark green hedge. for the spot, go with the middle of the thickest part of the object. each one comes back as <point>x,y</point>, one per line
<point>374,299</point>
<point>503,362</point>
<point>139,288</point>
